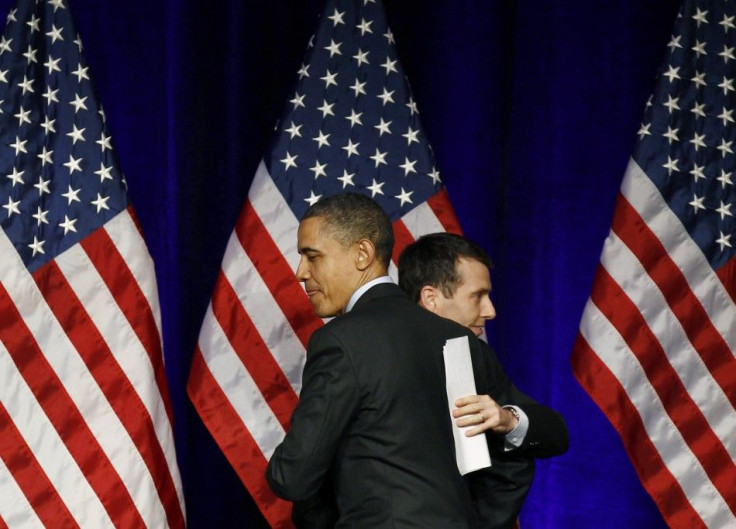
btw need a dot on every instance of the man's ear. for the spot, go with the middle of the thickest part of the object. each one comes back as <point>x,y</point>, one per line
<point>366,254</point>
<point>428,298</point>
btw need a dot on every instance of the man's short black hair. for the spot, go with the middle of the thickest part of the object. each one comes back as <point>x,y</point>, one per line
<point>432,260</point>
<point>351,216</point>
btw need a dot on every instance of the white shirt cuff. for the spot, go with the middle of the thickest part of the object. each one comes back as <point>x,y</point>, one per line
<point>515,437</point>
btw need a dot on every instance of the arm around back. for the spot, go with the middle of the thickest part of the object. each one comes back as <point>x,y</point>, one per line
<point>547,434</point>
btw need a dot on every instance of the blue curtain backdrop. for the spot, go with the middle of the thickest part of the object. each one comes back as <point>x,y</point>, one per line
<point>532,109</point>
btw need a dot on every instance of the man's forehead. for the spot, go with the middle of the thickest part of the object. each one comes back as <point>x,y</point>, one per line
<point>306,234</point>
<point>313,234</point>
<point>471,270</point>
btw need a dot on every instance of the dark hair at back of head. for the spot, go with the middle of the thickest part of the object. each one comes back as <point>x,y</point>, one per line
<point>431,261</point>
<point>351,216</point>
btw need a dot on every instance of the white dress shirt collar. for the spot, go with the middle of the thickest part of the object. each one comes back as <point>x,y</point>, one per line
<point>362,290</point>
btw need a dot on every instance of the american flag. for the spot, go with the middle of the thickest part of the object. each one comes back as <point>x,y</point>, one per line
<point>85,419</point>
<point>658,336</point>
<point>351,124</point>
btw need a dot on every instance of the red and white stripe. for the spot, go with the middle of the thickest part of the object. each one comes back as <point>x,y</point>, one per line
<point>85,416</point>
<point>656,351</point>
<point>246,373</point>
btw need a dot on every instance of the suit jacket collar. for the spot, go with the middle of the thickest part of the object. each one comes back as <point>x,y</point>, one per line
<point>379,291</point>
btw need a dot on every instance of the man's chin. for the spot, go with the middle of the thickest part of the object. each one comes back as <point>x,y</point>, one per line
<point>322,311</point>
<point>476,330</point>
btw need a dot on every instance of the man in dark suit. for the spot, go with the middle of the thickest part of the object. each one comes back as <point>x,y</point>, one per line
<point>372,426</point>
<point>449,275</point>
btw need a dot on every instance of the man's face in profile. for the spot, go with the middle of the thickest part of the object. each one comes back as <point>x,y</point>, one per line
<point>326,267</point>
<point>470,304</point>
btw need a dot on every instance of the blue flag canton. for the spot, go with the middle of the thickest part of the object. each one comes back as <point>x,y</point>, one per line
<point>59,176</point>
<point>687,139</point>
<point>352,124</point>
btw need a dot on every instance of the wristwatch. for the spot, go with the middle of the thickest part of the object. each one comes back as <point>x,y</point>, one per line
<point>514,412</point>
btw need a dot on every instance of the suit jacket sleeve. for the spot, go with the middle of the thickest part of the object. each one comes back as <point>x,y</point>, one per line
<point>499,491</point>
<point>316,512</point>
<point>547,435</point>
<point>328,401</point>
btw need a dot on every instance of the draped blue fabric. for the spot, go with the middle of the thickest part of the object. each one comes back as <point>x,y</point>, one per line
<point>532,109</point>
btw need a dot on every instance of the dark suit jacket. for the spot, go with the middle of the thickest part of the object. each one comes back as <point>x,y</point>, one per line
<point>373,419</point>
<point>499,490</point>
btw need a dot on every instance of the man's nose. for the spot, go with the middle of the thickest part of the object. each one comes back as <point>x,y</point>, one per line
<point>301,270</point>
<point>487,310</point>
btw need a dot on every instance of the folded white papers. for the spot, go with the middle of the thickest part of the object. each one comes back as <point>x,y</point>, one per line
<point>471,452</point>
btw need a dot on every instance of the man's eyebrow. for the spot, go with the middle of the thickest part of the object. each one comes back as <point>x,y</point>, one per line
<point>307,249</point>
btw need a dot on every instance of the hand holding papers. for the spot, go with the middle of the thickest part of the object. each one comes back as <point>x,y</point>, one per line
<point>471,452</point>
